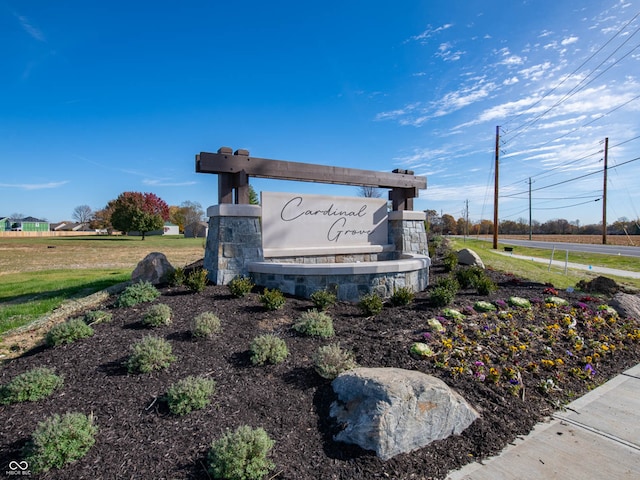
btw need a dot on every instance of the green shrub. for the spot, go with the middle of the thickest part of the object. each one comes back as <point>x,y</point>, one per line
<point>97,316</point>
<point>371,304</point>
<point>272,299</point>
<point>315,324</point>
<point>450,260</point>
<point>485,286</point>
<point>137,293</point>
<point>268,349</point>
<point>205,325</point>
<point>177,277</point>
<point>467,276</point>
<point>68,332</point>
<point>30,386</point>
<point>241,455</point>
<point>240,286</point>
<point>157,315</point>
<point>331,360</point>
<point>150,353</point>
<point>323,299</point>
<point>444,291</point>
<point>60,440</point>
<point>196,281</point>
<point>191,393</point>
<point>402,296</point>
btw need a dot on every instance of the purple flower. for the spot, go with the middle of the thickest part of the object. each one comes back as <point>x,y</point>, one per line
<point>501,304</point>
<point>590,369</point>
<point>478,363</point>
<point>582,306</point>
<point>426,336</point>
<point>513,381</point>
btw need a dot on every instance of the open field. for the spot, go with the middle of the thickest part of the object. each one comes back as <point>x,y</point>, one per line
<point>626,240</point>
<point>91,252</point>
<point>39,274</point>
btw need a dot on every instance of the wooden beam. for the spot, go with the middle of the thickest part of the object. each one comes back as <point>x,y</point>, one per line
<point>226,163</point>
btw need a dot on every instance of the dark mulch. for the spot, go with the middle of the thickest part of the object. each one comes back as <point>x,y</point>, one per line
<point>139,438</point>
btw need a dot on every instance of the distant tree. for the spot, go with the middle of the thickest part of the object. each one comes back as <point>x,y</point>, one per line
<point>432,220</point>
<point>449,225</point>
<point>369,192</point>
<point>82,213</point>
<point>101,219</point>
<point>142,212</point>
<point>187,213</point>
<point>253,196</point>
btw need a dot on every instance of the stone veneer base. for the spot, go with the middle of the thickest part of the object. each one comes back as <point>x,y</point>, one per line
<point>349,281</point>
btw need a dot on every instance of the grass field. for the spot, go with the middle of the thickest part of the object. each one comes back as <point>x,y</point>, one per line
<point>38,274</point>
<point>540,272</point>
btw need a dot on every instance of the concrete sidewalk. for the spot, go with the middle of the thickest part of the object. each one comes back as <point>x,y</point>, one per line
<point>576,266</point>
<point>596,437</point>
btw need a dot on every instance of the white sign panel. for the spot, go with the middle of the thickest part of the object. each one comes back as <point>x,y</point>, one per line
<point>291,220</point>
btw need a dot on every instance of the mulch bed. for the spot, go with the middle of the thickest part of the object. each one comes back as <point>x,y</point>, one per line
<point>139,438</point>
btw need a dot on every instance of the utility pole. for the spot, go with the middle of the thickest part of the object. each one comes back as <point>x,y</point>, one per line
<point>530,224</point>
<point>495,192</point>
<point>466,218</point>
<point>604,193</point>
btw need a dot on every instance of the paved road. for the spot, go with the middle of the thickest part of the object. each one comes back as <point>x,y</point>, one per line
<point>574,247</point>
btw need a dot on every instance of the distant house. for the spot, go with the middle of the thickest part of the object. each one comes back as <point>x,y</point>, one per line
<point>196,230</point>
<point>5,224</point>
<point>70,227</point>
<point>27,224</point>
<point>168,229</point>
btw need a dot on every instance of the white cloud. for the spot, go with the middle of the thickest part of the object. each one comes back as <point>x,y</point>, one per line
<point>569,40</point>
<point>400,112</point>
<point>430,32</point>
<point>446,52</point>
<point>34,186</point>
<point>164,183</point>
<point>511,81</point>
<point>28,27</point>
<point>535,72</point>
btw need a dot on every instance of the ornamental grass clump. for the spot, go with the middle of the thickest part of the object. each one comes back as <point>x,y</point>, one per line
<point>467,276</point>
<point>444,292</point>
<point>68,332</point>
<point>31,386</point>
<point>484,285</point>
<point>150,353</point>
<point>196,281</point>
<point>331,360</point>
<point>60,440</point>
<point>241,455</point>
<point>315,324</point>
<point>157,315</point>
<point>450,260</point>
<point>371,304</point>
<point>268,348</point>
<point>137,293</point>
<point>402,296</point>
<point>190,393</point>
<point>272,299</point>
<point>97,316</point>
<point>177,277</point>
<point>323,299</point>
<point>206,325</point>
<point>240,286</point>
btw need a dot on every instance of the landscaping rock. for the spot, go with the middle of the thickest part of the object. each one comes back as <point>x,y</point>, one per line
<point>627,306</point>
<point>466,256</point>
<point>392,410</point>
<point>154,268</point>
<point>599,285</point>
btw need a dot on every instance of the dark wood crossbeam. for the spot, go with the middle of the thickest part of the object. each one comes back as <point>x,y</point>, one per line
<point>234,169</point>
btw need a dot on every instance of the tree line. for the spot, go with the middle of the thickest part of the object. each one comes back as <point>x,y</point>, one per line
<point>446,224</point>
<point>138,212</point>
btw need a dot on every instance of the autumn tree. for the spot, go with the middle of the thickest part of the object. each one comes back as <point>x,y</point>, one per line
<point>187,213</point>
<point>449,225</point>
<point>82,213</point>
<point>142,212</point>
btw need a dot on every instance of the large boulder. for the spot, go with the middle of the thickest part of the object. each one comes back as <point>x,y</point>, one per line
<point>154,268</point>
<point>627,306</point>
<point>466,256</point>
<point>392,411</point>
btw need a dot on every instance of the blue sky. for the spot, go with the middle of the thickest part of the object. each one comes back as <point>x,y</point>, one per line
<point>99,98</point>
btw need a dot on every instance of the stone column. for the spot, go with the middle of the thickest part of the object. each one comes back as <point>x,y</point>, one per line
<point>407,232</point>
<point>234,240</point>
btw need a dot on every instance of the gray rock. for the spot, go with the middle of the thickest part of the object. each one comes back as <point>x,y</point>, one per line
<point>154,268</point>
<point>392,411</point>
<point>627,306</point>
<point>466,256</point>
